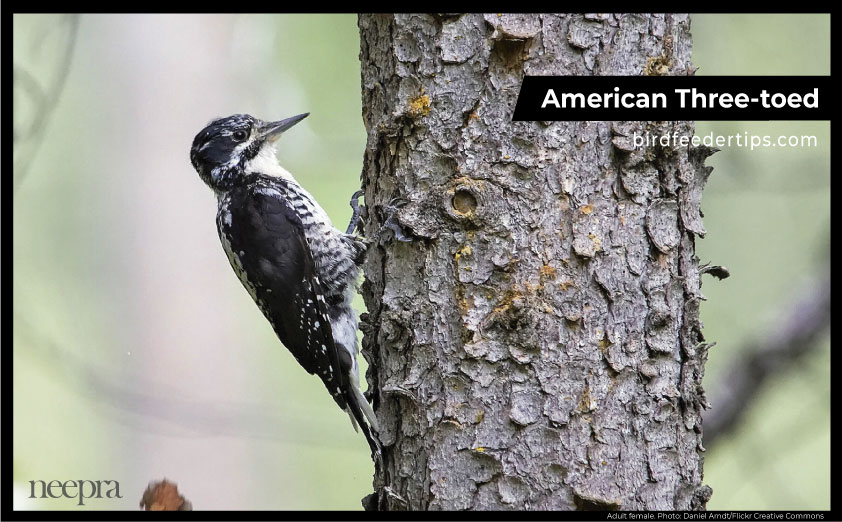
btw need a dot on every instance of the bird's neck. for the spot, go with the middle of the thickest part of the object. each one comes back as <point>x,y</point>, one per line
<point>263,165</point>
<point>266,163</point>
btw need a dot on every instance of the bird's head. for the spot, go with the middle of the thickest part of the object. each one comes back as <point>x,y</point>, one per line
<point>231,147</point>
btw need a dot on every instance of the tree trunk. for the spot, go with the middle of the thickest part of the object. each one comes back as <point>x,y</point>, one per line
<point>538,344</point>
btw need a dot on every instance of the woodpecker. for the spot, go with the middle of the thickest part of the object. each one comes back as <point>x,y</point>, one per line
<point>299,269</point>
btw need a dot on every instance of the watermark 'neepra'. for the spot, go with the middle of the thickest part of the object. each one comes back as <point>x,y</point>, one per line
<point>68,489</point>
<point>752,141</point>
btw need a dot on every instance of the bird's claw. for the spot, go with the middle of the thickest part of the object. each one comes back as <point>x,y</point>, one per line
<point>391,211</point>
<point>357,208</point>
<point>392,225</point>
<point>395,204</point>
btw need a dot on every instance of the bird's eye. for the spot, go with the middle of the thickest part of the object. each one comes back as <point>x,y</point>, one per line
<point>240,135</point>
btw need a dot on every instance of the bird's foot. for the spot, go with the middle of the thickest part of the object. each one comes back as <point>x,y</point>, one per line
<point>390,210</point>
<point>357,208</point>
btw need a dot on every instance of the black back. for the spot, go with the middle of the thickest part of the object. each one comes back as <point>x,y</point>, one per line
<point>266,238</point>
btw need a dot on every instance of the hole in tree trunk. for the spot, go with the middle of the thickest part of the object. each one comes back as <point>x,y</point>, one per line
<point>464,202</point>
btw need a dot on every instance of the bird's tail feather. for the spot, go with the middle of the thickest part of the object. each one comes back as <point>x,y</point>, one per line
<point>363,404</point>
<point>358,399</point>
<point>353,420</point>
<point>360,411</point>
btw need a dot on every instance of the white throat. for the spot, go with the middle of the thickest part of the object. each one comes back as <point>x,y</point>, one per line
<point>266,163</point>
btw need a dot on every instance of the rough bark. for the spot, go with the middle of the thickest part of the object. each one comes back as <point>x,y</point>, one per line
<point>538,345</point>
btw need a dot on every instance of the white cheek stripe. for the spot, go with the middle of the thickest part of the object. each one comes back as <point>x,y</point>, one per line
<point>235,157</point>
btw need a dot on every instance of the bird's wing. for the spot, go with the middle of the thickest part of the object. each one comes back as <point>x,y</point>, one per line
<point>265,242</point>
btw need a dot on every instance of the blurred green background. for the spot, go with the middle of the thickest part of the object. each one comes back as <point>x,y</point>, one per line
<point>137,354</point>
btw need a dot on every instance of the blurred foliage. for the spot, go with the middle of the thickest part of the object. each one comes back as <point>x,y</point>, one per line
<point>137,355</point>
<point>767,213</point>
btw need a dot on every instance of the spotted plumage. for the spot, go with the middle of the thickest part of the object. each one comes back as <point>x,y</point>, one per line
<point>299,269</point>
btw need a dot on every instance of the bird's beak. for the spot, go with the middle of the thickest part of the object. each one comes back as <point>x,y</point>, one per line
<point>273,130</point>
